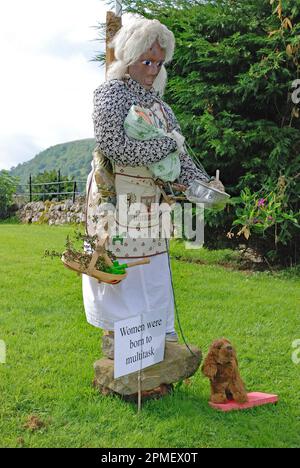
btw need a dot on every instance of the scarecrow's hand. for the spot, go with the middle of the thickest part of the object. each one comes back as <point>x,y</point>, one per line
<point>178,138</point>
<point>179,187</point>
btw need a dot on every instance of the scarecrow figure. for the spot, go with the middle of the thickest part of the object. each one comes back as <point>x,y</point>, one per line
<point>130,100</point>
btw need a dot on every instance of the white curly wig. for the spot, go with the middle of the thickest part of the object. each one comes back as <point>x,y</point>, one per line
<point>133,40</point>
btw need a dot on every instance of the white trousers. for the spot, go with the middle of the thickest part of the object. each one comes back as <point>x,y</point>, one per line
<point>147,288</point>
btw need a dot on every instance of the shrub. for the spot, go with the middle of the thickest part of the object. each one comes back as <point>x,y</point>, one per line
<point>45,186</point>
<point>231,85</point>
<point>8,186</point>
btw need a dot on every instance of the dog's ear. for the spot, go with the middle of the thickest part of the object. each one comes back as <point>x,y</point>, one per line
<point>235,364</point>
<point>209,368</point>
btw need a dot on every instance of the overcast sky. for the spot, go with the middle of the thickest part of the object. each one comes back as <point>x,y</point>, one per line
<point>47,79</point>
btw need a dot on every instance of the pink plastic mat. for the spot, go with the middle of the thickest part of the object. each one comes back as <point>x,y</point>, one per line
<point>255,399</point>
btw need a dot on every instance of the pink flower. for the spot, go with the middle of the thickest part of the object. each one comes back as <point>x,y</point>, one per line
<point>261,202</point>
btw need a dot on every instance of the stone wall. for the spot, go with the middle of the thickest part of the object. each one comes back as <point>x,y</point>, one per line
<point>53,212</point>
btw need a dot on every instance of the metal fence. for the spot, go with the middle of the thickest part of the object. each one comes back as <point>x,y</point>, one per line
<point>60,189</point>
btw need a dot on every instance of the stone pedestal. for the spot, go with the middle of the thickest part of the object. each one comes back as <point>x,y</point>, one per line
<point>178,364</point>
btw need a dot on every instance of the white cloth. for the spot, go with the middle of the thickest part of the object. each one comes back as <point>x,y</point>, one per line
<point>178,138</point>
<point>146,288</point>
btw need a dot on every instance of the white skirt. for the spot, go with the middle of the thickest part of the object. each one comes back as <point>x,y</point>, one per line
<point>147,288</point>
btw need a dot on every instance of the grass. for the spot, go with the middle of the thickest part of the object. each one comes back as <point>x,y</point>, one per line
<point>51,350</point>
<point>204,256</point>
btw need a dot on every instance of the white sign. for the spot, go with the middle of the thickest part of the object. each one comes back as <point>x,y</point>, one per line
<point>139,342</point>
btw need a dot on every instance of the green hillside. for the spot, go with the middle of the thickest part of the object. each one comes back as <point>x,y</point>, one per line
<point>72,158</point>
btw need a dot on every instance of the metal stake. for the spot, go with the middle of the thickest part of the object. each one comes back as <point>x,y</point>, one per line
<point>139,391</point>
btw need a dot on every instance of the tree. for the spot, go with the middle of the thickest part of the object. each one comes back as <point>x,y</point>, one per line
<point>8,185</point>
<point>231,87</point>
<point>45,186</point>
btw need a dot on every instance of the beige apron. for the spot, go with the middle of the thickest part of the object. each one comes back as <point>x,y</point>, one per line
<point>139,199</point>
<point>138,216</point>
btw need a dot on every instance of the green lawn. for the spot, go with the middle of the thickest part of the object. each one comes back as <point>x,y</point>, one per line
<point>51,350</point>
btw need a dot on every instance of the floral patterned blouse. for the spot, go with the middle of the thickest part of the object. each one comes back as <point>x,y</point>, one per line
<point>112,102</point>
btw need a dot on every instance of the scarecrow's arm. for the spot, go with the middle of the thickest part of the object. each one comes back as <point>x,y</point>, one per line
<point>111,107</point>
<point>189,170</point>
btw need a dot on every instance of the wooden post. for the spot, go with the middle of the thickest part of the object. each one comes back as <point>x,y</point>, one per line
<point>113,24</point>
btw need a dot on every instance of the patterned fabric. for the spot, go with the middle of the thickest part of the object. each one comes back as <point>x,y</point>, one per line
<point>133,185</point>
<point>140,124</point>
<point>112,102</point>
<point>139,191</point>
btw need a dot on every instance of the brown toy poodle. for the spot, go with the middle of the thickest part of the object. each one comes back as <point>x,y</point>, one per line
<point>221,367</point>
